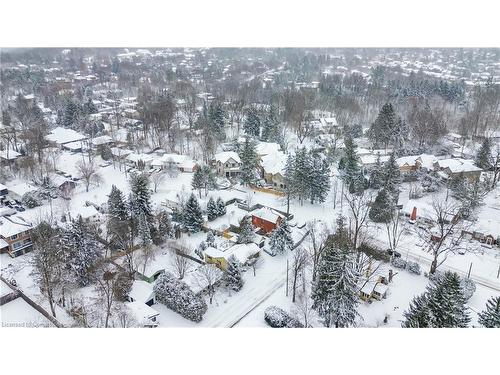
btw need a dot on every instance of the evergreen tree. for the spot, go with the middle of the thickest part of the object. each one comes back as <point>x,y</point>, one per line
<point>234,279</point>
<point>246,233</point>
<point>490,318</point>
<point>335,293</point>
<point>483,157</point>
<point>382,129</point>
<point>319,180</point>
<point>89,107</point>
<point>447,303</point>
<point>165,229</point>
<point>192,216</point>
<point>392,177</point>
<point>221,207</point>
<point>381,209</point>
<point>216,119</point>
<point>270,131</point>
<point>198,181</point>
<point>443,305</point>
<point>210,241</point>
<point>71,112</point>
<point>81,250</point>
<point>212,211</point>
<point>350,167</point>
<point>118,217</point>
<point>248,157</point>
<point>141,195</point>
<point>376,174</point>
<point>280,241</point>
<point>301,179</point>
<point>252,122</point>
<point>144,230</point>
<point>418,314</point>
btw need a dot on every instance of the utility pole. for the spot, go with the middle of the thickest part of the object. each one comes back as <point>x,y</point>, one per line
<point>470,268</point>
<point>286,292</point>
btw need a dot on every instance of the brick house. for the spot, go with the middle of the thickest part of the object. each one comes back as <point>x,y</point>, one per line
<point>15,237</point>
<point>266,219</point>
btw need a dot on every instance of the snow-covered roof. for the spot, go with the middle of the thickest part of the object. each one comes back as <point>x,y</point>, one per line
<point>142,312</point>
<point>12,227</point>
<point>116,151</point>
<point>266,148</point>
<point>77,145</point>
<point>62,136</point>
<point>224,156</point>
<point>214,253</point>
<point>197,282</point>
<point>141,291</point>
<point>458,165</point>
<point>21,189</point>
<point>137,157</point>
<point>242,252</point>
<point>372,159</point>
<point>3,244</point>
<point>86,212</point>
<point>9,154</point>
<point>274,163</point>
<point>102,140</point>
<point>267,214</point>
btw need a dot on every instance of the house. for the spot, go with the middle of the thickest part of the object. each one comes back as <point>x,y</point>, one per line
<point>145,315</point>
<point>375,290</point>
<point>227,164</point>
<point>15,236</point>
<point>273,169</point>
<point>136,159</point>
<point>451,168</point>
<point>62,136</point>
<point>102,140</point>
<point>408,164</point>
<point>242,252</point>
<point>17,191</point>
<point>181,162</point>
<point>142,292</point>
<point>266,219</point>
<point>63,184</point>
<point>120,153</point>
<point>9,156</point>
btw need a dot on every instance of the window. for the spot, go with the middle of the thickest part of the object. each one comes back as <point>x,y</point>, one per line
<point>17,245</point>
<point>13,237</point>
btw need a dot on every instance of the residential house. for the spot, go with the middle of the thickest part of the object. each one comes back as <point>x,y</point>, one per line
<point>413,163</point>
<point>273,169</point>
<point>227,164</point>
<point>242,252</point>
<point>142,292</point>
<point>15,236</point>
<point>145,315</point>
<point>451,168</point>
<point>266,219</point>
<point>62,136</point>
<point>9,156</point>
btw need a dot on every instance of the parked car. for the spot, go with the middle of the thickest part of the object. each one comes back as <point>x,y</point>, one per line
<point>395,253</point>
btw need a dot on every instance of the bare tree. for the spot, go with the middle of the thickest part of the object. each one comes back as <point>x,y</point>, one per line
<point>209,276</point>
<point>88,173</point>
<point>395,229</point>
<point>318,235</point>
<point>359,207</point>
<point>302,309</point>
<point>299,262</point>
<point>105,280</point>
<point>157,178</point>
<point>180,262</point>
<point>445,236</point>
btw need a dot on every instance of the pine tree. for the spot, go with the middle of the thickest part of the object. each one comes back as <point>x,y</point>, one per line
<point>335,293</point>
<point>447,303</point>
<point>216,119</point>
<point>319,179</point>
<point>392,177</point>
<point>211,210</point>
<point>165,229</point>
<point>81,250</point>
<point>252,122</point>
<point>280,241</point>
<point>350,167</point>
<point>270,131</point>
<point>490,318</point>
<point>192,216</point>
<point>221,207</point>
<point>141,195</point>
<point>144,230</point>
<point>71,112</point>
<point>382,129</point>
<point>118,217</point>
<point>418,314</point>
<point>483,157</point>
<point>210,239</point>
<point>248,157</point>
<point>376,174</point>
<point>246,233</point>
<point>198,181</point>
<point>301,178</point>
<point>381,209</point>
<point>234,279</point>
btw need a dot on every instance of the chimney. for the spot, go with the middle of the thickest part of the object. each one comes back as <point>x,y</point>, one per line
<point>413,215</point>
<point>390,275</point>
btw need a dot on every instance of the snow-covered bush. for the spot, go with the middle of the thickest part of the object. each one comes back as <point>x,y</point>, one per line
<point>413,267</point>
<point>278,318</point>
<point>177,296</point>
<point>31,200</point>
<point>398,263</point>
<point>468,287</point>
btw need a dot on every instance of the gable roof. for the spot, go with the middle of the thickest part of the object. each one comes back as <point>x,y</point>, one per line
<point>224,156</point>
